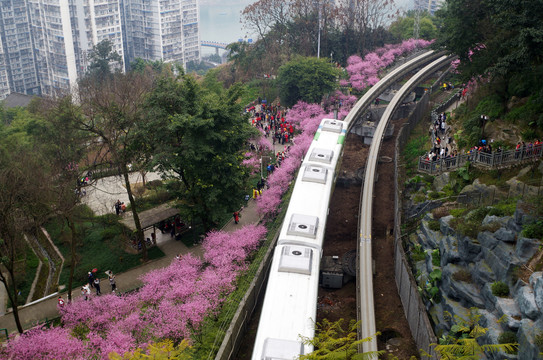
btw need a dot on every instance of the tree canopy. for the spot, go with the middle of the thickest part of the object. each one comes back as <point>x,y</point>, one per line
<point>493,37</point>
<point>102,58</point>
<point>402,29</point>
<point>198,137</point>
<point>307,79</point>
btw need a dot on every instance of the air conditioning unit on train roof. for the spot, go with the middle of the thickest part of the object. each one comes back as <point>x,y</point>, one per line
<point>332,126</point>
<point>303,225</point>
<point>296,259</point>
<point>315,173</point>
<point>321,155</point>
<point>279,349</point>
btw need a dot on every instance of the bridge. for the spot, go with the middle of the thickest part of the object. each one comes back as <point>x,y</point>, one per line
<point>214,44</point>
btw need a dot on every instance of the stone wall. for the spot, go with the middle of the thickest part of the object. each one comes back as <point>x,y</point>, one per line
<point>497,254</point>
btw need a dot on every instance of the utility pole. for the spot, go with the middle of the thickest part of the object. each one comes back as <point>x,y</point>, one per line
<point>416,25</point>
<point>319,36</point>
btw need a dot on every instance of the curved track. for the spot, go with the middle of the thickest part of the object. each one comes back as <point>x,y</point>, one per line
<point>291,293</point>
<point>365,265</point>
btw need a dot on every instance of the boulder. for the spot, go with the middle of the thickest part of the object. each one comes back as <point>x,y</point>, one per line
<point>441,180</point>
<point>476,192</point>
<point>527,333</point>
<point>513,226</point>
<point>448,248</point>
<point>489,298</point>
<point>454,308</point>
<point>494,330</point>
<point>432,237</point>
<point>466,293</point>
<point>487,240</point>
<point>502,260</point>
<point>521,189</point>
<point>482,273</point>
<point>536,281</point>
<point>526,302</point>
<point>468,248</point>
<point>445,226</point>
<point>508,307</point>
<point>526,248</point>
<point>522,214</point>
<point>505,235</point>
<point>491,219</point>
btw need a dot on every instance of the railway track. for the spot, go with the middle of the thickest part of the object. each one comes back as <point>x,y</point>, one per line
<point>365,304</point>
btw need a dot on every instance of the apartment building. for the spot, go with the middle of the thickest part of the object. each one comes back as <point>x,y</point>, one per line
<point>17,65</point>
<point>4,83</point>
<point>164,30</point>
<point>45,44</point>
<point>64,31</point>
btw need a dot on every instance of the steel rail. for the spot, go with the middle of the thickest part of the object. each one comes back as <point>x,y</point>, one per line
<point>365,264</point>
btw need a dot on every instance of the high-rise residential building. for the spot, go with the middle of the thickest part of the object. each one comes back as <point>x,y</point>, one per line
<point>164,30</point>
<point>4,83</point>
<point>17,48</point>
<point>45,44</point>
<point>64,31</point>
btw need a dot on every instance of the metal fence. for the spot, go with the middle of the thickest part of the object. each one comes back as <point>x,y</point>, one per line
<point>486,160</point>
<point>414,308</point>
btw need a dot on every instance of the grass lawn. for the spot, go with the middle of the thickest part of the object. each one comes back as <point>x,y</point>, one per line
<point>25,270</point>
<point>101,245</point>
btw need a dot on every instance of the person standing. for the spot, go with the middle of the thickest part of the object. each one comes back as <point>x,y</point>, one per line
<point>90,279</point>
<point>236,217</point>
<point>85,291</point>
<point>97,286</point>
<point>60,301</point>
<point>112,282</point>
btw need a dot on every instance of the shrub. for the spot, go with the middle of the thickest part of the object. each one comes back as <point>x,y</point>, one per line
<point>436,258</point>
<point>458,212</point>
<point>440,212</point>
<point>492,227</point>
<point>500,289</point>
<point>418,254</point>
<point>479,214</point>
<point>462,275</point>
<point>533,230</point>
<point>434,225</point>
<point>539,341</point>
<point>434,195</point>
<point>508,337</point>
<point>466,228</point>
<point>419,197</point>
<point>153,184</point>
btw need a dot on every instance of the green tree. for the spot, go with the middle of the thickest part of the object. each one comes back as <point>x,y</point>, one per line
<point>114,115</point>
<point>332,341</point>
<point>199,137</point>
<point>307,79</point>
<point>25,199</point>
<point>65,145</point>
<point>402,29</point>
<point>102,57</point>
<point>493,37</point>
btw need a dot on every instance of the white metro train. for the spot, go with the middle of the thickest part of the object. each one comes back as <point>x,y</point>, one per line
<point>290,304</point>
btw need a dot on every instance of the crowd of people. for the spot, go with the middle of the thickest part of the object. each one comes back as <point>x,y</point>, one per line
<point>438,132</point>
<point>93,283</point>
<point>271,119</point>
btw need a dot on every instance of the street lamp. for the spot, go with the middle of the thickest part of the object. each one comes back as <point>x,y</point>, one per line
<point>484,119</point>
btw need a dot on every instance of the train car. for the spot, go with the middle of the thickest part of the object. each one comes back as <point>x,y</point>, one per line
<point>290,304</point>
